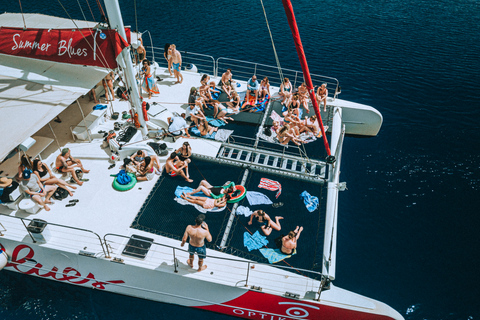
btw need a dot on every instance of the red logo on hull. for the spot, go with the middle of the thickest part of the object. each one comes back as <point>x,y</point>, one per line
<point>69,274</point>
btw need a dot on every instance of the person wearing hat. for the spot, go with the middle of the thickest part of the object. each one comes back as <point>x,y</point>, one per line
<point>31,185</point>
<point>7,186</point>
<point>66,163</point>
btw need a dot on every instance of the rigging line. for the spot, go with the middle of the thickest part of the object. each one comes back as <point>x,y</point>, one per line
<point>91,12</point>
<point>83,14</point>
<point>136,22</point>
<point>105,65</point>
<point>23,17</point>
<point>280,73</point>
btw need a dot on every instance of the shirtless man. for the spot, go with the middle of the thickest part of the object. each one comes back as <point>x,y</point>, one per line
<point>225,82</point>
<point>108,86</point>
<point>198,233</point>
<point>174,167</point>
<point>66,163</point>
<point>177,63</point>
<point>140,51</point>
<point>289,242</point>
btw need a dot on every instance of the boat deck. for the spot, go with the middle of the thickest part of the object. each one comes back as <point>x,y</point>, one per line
<point>106,215</point>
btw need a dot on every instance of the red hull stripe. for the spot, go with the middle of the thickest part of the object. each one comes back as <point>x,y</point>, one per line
<point>262,306</point>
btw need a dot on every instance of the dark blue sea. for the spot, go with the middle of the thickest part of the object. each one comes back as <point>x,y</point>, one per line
<point>408,225</point>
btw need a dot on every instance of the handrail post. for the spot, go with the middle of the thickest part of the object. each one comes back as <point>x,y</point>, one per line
<point>174,262</point>
<point>248,274</point>
<point>29,233</point>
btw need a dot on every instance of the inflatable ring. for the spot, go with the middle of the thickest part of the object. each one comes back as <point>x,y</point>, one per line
<point>124,187</point>
<point>241,192</point>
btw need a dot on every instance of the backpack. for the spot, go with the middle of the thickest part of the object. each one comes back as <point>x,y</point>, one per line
<point>60,194</point>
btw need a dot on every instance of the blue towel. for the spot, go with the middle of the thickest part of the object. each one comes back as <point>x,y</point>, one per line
<point>254,242</point>
<point>215,122</point>
<point>255,198</point>
<point>196,132</point>
<point>241,210</point>
<point>311,202</point>
<point>179,190</point>
<point>100,107</point>
<point>275,255</point>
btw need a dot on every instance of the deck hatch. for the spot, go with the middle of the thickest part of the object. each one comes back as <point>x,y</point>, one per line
<point>137,246</point>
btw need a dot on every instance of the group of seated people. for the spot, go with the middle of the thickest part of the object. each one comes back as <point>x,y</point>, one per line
<point>292,127</point>
<point>301,96</point>
<point>37,180</point>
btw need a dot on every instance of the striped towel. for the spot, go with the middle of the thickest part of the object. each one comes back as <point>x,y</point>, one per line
<point>271,185</point>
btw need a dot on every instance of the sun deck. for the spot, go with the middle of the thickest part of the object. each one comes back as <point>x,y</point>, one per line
<point>104,219</point>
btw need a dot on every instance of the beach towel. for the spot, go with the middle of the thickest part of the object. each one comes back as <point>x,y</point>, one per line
<point>223,134</point>
<point>196,132</point>
<point>178,192</point>
<point>275,255</point>
<point>241,210</point>
<point>256,198</point>
<point>254,242</point>
<point>215,122</point>
<point>271,185</point>
<point>100,107</point>
<point>311,202</point>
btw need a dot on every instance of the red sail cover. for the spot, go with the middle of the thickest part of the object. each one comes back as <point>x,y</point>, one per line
<point>287,5</point>
<point>89,47</point>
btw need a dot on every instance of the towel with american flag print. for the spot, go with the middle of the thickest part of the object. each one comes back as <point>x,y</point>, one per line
<point>271,185</point>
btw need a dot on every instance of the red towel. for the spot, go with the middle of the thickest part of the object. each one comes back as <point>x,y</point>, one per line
<point>271,185</point>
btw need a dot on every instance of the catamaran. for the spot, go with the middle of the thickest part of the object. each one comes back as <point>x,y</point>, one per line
<point>129,242</point>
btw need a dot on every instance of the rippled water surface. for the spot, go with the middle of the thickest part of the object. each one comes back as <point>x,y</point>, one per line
<point>408,224</point>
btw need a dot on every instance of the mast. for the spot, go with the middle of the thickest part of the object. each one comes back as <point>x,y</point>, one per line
<point>287,5</point>
<point>124,60</point>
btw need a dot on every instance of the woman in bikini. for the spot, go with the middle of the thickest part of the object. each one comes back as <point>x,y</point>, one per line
<point>184,152</point>
<point>287,134</point>
<point>148,84</point>
<point>234,105</point>
<point>205,128</point>
<point>322,94</point>
<point>46,177</point>
<point>207,203</point>
<point>286,91</point>
<point>264,89</point>
<point>212,191</point>
<point>303,96</point>
<point>265,222</point>
<point>108,86</point>
<point>167,53</point>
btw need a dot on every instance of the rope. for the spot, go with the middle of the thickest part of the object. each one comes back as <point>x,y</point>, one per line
<point>83,14</point>
<point>280,73</point>
<point>21,10</point>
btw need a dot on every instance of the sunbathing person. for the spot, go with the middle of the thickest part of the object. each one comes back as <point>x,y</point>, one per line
<point>312,124</point>
<point>205,128</point>
<point>174,166</point>
<point>138,157</point>
<point>207,203</point>
<point>295,105</point>
<point>194,111</point>
<point>32,186</point>
<point>25,163</point>
<point>286,91</point>
<point>221,112</point>
<point>226,78</point>
<point>322,94</point>
<point>228,89</point>
<point>46,176</point>
<point>289,242</point>
<point>205,79</point>
<point>184,152</point>
<point>303,96</point>
<point>213,90</point>
<point>212,191</point>
<point>66,163</point>
<point>266,223</point>
<point>234,105</point>
<point>287,134</point>
<point>264,89</point>
<point>146,170</point>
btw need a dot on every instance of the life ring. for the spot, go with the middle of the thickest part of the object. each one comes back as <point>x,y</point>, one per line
<point>237,195</point>
<point>3,258</point>
<point>124,187</point>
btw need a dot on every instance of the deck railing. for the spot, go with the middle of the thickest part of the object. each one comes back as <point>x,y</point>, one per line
<point>243,70</point>
<point>161,253</point>
<point>69,234</point>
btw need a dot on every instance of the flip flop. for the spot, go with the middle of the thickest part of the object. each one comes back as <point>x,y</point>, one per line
<point>74,201</point>
<point>84,180</point>
<point>70,204</point>
<point>111,166</point>
<point>277,205</point>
